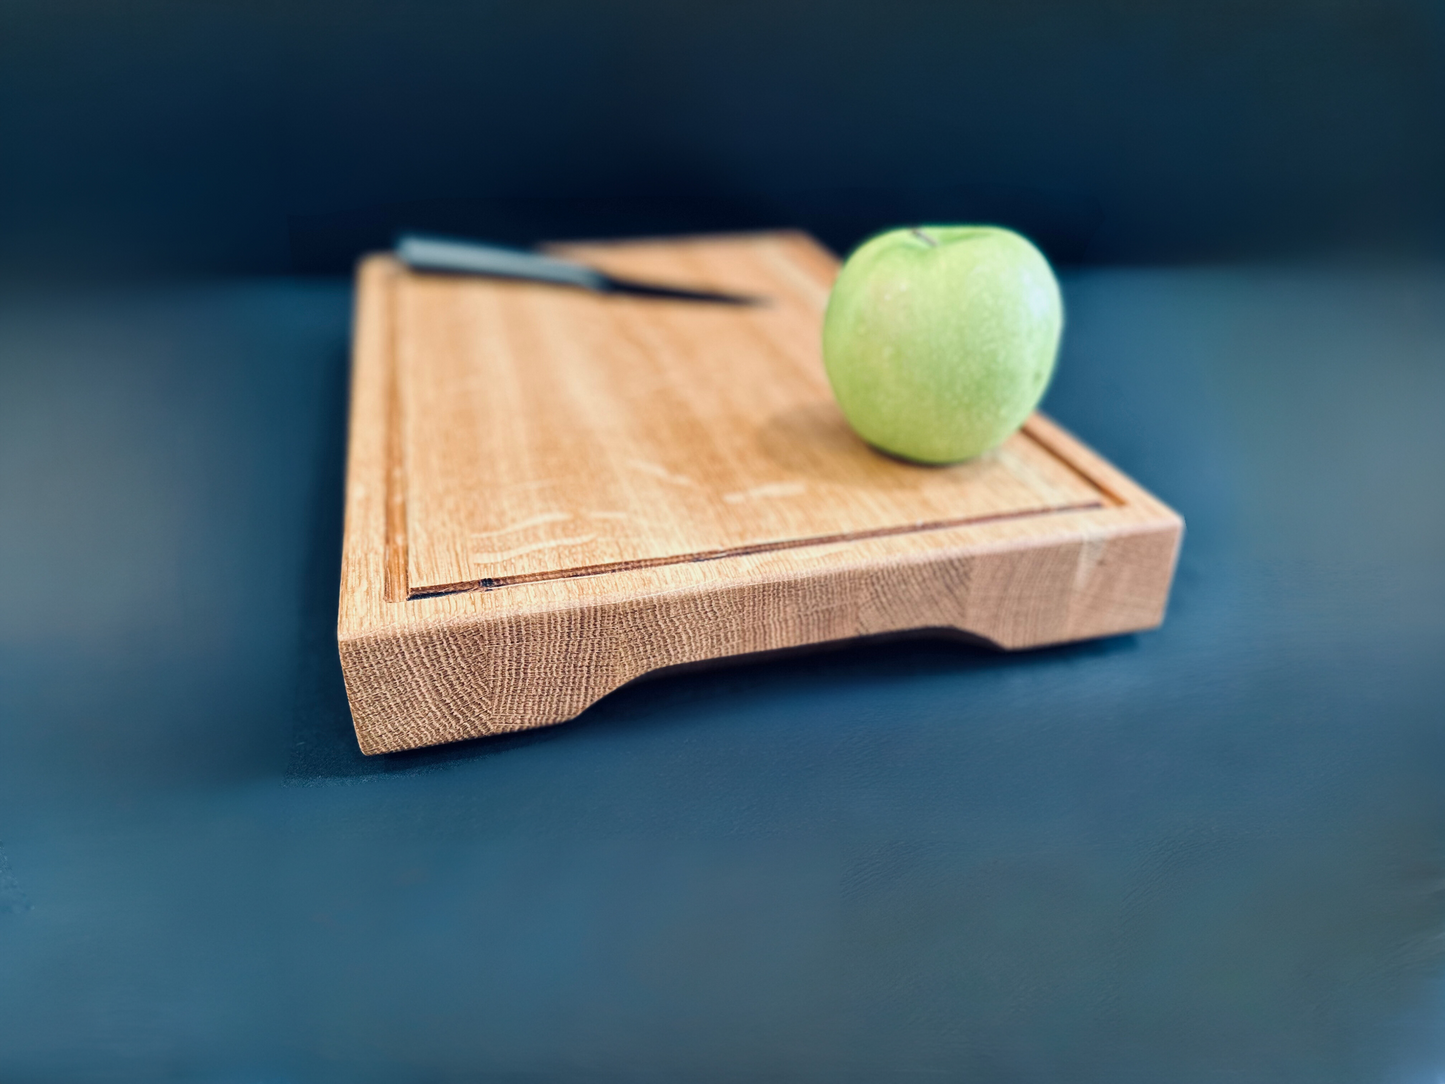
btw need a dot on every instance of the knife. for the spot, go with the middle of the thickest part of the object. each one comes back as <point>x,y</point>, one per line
<point>448,255</point>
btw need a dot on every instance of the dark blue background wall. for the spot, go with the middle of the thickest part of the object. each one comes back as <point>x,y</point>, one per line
<point>266,136</point>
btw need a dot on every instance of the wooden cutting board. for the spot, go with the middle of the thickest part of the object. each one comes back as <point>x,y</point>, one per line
<point>551,492</point>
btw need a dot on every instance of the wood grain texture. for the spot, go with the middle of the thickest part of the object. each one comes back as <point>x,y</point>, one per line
<point>552,492</point>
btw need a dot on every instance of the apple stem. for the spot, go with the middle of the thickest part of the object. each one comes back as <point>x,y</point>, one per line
<point>925,237</point>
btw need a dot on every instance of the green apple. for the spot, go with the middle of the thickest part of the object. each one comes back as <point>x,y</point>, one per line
<point>939,341</point>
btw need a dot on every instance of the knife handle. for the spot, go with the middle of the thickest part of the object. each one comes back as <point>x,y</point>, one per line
<point>422,252</point>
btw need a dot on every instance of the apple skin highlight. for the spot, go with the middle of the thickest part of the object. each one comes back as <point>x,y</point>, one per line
<point>940,341</point>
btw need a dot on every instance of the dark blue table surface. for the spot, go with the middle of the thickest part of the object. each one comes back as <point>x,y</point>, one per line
<point>1212,852</point>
